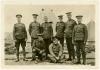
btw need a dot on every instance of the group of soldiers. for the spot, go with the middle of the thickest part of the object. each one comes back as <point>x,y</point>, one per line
<point>45,46</point>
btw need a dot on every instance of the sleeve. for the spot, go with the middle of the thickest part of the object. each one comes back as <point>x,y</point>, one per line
<point>14,32</point>
<point>30,27</point>
<point>73,34</point>
<point>25,32</point>
<point>74,24</point>
<point>41,28</point>
<point>51,51</point>
<point>64,26</point>
<point>56,27</point>
<point>61,50</point>
<point>51,30</point>
<point>85,33</point>
<point>65,23</point>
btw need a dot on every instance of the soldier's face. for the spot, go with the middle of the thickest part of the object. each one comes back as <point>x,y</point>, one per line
<point>34,18</point>
<point>69,16</point>
<point>19,19</point>
<point>79,20</point>
<point>55,41</point>
<point>60,19</point>
<point>45,19</point>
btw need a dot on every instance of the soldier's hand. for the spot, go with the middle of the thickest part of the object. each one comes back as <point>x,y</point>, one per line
<point>73,42</point>
<point>25,39</point>
<point>57,58</point>
<point>85,43</point>
<point>40,52</point>
<point>51,39</point>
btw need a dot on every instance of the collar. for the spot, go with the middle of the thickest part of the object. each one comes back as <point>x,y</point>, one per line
<point>69,19</point>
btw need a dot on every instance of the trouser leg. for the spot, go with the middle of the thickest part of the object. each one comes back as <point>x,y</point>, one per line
<point>47,43</point>
<point>78,51</point>
<point>83,52</point>
<point>72,49</point>
<point>42,56</point>
<point>23,44</point>
<point>17,45</point>
<point>33,49</point>
<point>62,41</point>
<point>68,48</point>
<point>52,58</point>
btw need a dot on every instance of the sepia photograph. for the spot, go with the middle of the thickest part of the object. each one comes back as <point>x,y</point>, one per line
<point>49,34</point>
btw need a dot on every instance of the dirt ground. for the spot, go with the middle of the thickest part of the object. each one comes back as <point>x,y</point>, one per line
<point>10,60</point>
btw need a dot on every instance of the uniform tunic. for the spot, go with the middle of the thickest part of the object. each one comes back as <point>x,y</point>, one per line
<point>38,47</point>
<point>79,36</point>
<point>80,32</point>
<point>69,25</point>
<point>19,31</point>
<point>34,29</point>
<point>55,50</point>
<point>47,30</point>
<point>60,27</point>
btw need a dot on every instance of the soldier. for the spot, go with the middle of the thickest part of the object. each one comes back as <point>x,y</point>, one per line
<point>20,36</point>
<point>47,31</point>
<point>60,27</point>
<point>39,49</point>
<point>55,50</point>
<point>69,25</point>
<point>79,38</point>
<point>34,29</point>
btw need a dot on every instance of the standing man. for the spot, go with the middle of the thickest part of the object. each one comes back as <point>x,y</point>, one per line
<point>69,25</point>
<point>47,31</point>
<point>60,27</point>
<point>79,38</point>
<point>20,36</point>
<point>34,29</point>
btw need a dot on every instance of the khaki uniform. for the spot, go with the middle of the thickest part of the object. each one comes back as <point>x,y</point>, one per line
<point>20,34</point>
<point>34,29</point>
<point>39,49</point>
<point>47,31</point>
<point>69,25</point>
<point>80,35</point>
<point>60,27</point>
<point>55,51</point>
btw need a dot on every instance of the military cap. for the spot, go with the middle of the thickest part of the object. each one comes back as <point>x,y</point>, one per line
<point>60,16</point>
<point>50,22</point>
<point>39,35</point>
<point>35,14</point>
<point>18,15</point>
<point>79,16</point>
<point>68,12</point>
<point>54,37</point>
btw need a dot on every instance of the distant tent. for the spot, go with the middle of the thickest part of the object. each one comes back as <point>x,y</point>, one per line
<point>91,31</point>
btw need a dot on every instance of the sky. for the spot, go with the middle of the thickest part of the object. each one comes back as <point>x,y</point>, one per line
<point>10,11</point>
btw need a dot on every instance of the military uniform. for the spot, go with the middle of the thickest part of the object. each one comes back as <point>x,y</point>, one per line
<point>55,51</point>
<point>47,31</point>
<point>20,34</point>
<point>60,27</point>
<point>34,29</point>
<point>69,25</point>
<point>39,48</point>
<point>80,35</point>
